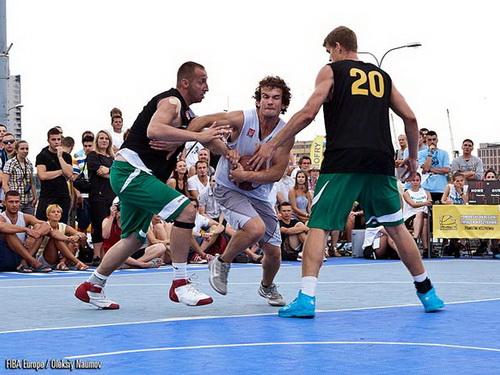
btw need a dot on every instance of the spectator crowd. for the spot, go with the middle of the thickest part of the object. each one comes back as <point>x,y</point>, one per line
<point>66,216</point>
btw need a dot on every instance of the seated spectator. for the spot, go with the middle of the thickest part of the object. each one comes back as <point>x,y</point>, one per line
<point>457,192</point>
<point>159,234</point>
<point>17,250</point>
<point>179,180</point>
<point>286,182</point>
<point>147,257</point>
<point>205,234</point>
<point>490,175</point>
<point>415,211</point>
<point>293,233</point>
<point>300,197</point>
<point>60,251</point>
<point>379,245</point>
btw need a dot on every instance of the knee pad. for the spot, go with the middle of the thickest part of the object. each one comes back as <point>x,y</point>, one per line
<point>183,225</point>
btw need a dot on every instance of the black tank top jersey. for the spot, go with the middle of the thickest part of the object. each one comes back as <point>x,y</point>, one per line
<point>138,140</point>
<point>358,135</point>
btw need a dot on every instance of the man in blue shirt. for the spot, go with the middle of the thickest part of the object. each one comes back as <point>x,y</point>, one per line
<point>435,168</point>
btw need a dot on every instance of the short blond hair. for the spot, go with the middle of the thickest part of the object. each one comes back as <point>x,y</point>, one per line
<point>51,207</point>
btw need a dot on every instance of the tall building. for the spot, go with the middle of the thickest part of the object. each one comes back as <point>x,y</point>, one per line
<point>489,153</point>
<point>13,108</point>
<point>301,148</point>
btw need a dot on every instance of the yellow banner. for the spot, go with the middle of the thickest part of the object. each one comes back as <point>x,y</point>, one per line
<point>316,152</point>
<point>466,221</point>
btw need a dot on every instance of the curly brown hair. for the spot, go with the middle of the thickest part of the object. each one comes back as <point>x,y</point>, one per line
<point>275,82</point>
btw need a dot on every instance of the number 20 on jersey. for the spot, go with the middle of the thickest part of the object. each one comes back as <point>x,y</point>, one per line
<point>366,84</point>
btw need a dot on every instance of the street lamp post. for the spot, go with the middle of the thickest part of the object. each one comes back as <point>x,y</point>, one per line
<point>379,64</point>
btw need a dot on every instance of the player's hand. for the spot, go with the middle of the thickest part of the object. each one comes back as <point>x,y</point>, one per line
<point>218,130</point>
<point>237,174</point>
<point>411,166</point>
<point>262,155</point>
<point>233,156</point>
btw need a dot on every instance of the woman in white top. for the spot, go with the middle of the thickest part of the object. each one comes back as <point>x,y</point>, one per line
<point>415,208</point>
<point>58,253</point>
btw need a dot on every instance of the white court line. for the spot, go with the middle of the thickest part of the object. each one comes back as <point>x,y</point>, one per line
<point>184,318</point>
<point>243,345</point>
<point>167,284</point>
<point>168,269</point>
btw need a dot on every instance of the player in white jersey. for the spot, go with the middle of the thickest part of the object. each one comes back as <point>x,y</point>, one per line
<point>244,194</point>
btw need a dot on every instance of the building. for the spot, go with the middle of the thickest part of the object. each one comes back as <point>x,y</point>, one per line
<point>301,148</point>
<point>13,105</point>
<point>489,153</point>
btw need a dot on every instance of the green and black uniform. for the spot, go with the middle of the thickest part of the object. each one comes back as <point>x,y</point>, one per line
<point>140,182</point>
<point>359,157</point>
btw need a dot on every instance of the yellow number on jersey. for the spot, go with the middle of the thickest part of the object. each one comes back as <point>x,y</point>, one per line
<point>375,83</point>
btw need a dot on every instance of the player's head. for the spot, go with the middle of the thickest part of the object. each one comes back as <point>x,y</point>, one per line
<point>192,82</point>
<point>272,93</point>
<point>340,41</point>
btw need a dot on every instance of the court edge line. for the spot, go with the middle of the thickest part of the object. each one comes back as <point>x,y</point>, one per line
<point>188,318</point>
<point>215,346</point>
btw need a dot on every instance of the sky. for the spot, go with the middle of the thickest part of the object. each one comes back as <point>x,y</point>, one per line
<point>78,59</point>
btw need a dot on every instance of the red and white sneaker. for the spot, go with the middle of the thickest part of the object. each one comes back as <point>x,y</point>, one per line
<point>184,291</point>
<point>94,294</point>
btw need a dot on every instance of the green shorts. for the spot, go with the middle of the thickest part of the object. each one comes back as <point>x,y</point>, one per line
<point>335,194</point>
<point>141,196</point>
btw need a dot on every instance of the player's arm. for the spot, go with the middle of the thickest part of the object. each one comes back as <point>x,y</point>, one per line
<point>323,87</point>
<point>233,119</point>
<point>164,125</point>
<point>278,166</point>
<point>403,110</point>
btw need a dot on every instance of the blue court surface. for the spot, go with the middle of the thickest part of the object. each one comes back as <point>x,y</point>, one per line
<point>369,322</point>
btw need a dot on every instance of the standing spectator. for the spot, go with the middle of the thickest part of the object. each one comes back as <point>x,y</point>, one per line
<point>300,197</point>
<point>3,154</point>
<point>469,165</point>
<point>101,195</point>
<point>208,205</point>
<point>305,164</point>
<point>198,183</point>
<point>436,167</point>
<point>313,177</point>
<point>116,132</point>
<point>203,155</point>
<point>79,166</point>
<point>190,153</point>
<point>179,180</point>
<point>286,182</point>
<point>53,167</point>
<point>399,156</point>
<point>18,176</point>
<point>9,145</point>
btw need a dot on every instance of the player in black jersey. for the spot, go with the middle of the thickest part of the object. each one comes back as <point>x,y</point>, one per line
<point>138,177</point>
<point>358,163</point>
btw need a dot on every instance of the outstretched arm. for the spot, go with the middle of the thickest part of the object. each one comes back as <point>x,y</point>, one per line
<point>324,85</point>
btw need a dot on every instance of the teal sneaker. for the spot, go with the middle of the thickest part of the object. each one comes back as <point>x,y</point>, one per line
<point>301,307</point>
<point>431,301</point>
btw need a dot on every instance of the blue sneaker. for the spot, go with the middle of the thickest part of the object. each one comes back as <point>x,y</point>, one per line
<point>301,307</point>
<point>431,301</point>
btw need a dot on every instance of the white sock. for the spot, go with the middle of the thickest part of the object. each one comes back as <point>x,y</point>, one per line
<point>309,285</point>
<point>420,278</point>
<point>180,271</point>
<point>97,279</point>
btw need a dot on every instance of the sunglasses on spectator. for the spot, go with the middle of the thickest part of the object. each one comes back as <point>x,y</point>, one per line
<point>9,142</point>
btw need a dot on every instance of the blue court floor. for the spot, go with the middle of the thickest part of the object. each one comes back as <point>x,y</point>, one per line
<point>369,322</point>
